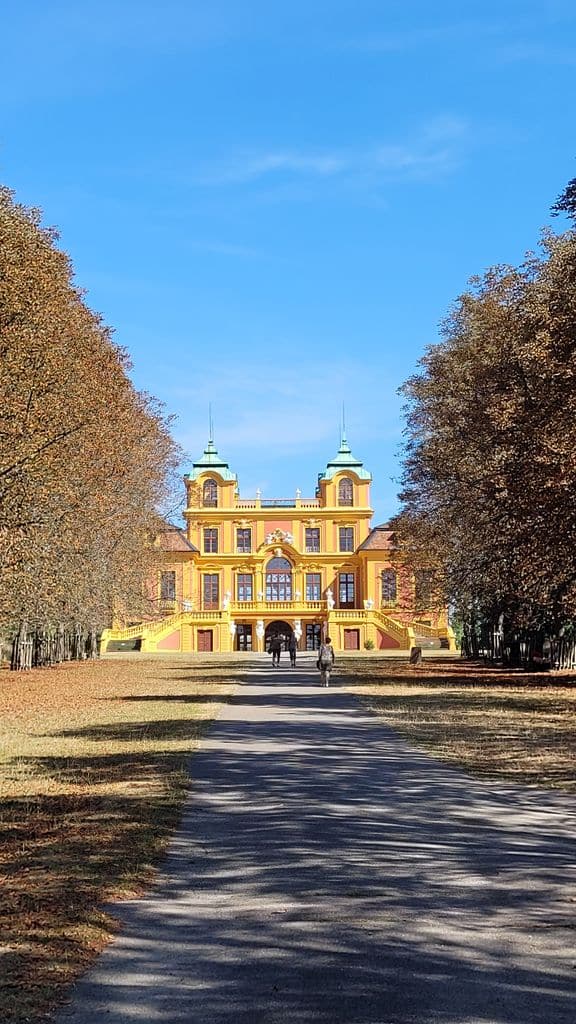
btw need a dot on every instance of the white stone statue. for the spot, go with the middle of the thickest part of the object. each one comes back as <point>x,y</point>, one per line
<point>260,595</point>
<point>258,494</point>
<point>260,629</point>
<point>330,599</point>
<point>186,606</point>
<point>297,629</point>
<point>226,599</point>
<point>298,492</point>
<point>232,627</point>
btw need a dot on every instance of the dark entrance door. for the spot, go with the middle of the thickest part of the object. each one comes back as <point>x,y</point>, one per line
<point>205,639</point>
<point>281,629</point>
<point>244,638</point>
<point>351,639</point>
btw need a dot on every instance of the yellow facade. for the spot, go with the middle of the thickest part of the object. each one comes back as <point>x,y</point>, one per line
<point>246,568</point>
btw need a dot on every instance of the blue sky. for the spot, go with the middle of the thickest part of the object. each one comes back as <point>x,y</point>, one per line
<point>275,204</point>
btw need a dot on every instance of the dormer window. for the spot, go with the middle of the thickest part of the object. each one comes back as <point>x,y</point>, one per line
<point>210,494</point>
<point>345,491</point>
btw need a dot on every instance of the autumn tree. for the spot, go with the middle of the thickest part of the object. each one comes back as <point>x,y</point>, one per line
<point>85,459</point>
<point>489,492</point>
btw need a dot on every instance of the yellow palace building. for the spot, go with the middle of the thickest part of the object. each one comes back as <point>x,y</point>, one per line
<point>245,569</point>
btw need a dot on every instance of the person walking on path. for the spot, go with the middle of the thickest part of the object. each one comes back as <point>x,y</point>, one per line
<point>325,661</point>
<point>275,650</point>
<point>292,650</point>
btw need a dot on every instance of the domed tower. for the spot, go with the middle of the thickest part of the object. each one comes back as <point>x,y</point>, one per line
<point>344,487</point>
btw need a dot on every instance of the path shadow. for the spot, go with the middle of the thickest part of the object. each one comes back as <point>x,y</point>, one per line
<point>325,872</point>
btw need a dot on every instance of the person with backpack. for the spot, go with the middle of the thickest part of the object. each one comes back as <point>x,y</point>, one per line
<point>325,661</point>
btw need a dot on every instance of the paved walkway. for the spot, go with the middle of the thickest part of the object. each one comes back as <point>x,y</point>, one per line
<point>326,872</point>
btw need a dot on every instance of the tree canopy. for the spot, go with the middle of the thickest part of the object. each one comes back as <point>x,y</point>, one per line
<point>489,484</point>
<point>85,459</point>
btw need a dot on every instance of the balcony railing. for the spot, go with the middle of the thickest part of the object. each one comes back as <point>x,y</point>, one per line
<point>237,607</point>
<point>277,503</point>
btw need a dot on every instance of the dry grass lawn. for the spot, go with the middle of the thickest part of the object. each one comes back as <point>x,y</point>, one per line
<point>92,776</point>
<point>513,725</point>
<point>93,771</point>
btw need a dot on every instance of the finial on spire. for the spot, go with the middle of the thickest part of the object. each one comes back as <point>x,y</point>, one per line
<point>343,430</point>
<point>210,424</point>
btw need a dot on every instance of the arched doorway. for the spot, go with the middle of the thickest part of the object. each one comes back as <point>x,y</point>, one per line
<point>280,629</point>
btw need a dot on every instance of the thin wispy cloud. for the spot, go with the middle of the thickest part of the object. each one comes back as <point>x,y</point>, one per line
<point>275,401</point>
<point>437,148</point>
<point>245,168</point>
<point>537,53</point>
<point>423,35</point>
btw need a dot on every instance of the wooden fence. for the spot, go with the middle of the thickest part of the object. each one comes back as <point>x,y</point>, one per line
<point>528,651</point>
<point>40,648</point>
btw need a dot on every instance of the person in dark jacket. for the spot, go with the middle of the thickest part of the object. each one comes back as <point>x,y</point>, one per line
<point>275,650</point>
<point>292,648</point>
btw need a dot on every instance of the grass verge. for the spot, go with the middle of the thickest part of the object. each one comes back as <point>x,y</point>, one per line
<point>93,773</point>
<point>496,724</point>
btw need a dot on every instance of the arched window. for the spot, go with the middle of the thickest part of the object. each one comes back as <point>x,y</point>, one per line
<point>279,580</point>
<point>389,587</point>
<point>210,494</point>
<point>345,491</point>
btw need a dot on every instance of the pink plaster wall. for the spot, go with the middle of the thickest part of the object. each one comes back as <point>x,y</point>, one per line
<point>385,642</point>
<point>278,524</point>
<point>170,642</point>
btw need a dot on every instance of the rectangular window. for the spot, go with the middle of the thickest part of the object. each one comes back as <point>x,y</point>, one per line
<point>313,586</point>
<point>423,586</point>
<point>168,586</point>
<point>278,586</point>
<point>346,589</point>
<point>210,541</point>
<point>244,541</point>
<point>389,587</point>
<point>312,636</point>
<point>244,638</point>
<point>244,588</point>
<point>211,590</point>
<point>312,539</point>
<point>346,538</point>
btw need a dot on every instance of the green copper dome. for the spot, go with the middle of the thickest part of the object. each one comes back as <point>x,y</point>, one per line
<point>210,459</point>
<point>344,460</point>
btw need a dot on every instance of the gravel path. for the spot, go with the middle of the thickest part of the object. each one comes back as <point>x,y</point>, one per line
<point>327,872</point>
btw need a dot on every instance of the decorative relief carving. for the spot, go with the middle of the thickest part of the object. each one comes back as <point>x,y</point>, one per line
<point>279,535</point>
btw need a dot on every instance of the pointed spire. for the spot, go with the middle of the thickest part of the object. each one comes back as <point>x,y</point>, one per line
<point>211,458</point>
